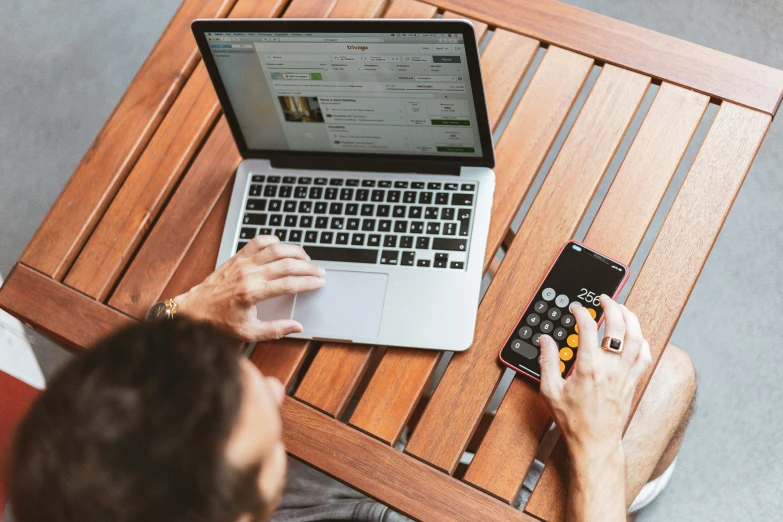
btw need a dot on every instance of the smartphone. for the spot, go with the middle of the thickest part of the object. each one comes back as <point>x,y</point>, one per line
<point>578,275</point>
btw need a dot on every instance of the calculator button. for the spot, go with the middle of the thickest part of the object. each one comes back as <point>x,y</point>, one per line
<point>592,312</point>
<point>540,307</point>
<point>560,334</point>
<point>566,353</point>
<point>533,319</point>
<point>535,339</point>
<point>554,314</point>
<point>562,367</point>
<point>567,320</point>
<point>573,340</point>
<point>576,328</point>
<point>547,327</point>
<point>548,294</point>
<point>524,349</point>
<point>525,332</point>
<point>562,301</point>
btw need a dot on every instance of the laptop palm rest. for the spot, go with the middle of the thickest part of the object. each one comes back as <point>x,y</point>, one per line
<point>350,306</point>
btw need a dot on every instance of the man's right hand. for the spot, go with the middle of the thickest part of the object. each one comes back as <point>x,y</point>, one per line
<point>263,269</point>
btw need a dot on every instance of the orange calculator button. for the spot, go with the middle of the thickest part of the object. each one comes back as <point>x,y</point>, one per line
<point>566,353</point>
<point>576,328</point>
<point>592,312</point>
<point>562,367</point>
<point>573,340</point>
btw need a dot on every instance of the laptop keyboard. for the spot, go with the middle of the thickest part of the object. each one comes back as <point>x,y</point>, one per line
<point>373,221</point>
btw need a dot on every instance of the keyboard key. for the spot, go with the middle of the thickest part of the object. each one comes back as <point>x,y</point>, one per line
<point>342,238</point>
<point>374,240</point>
<point>337,223</point>
<point>442,198</point>
<point>384,225</point>
<point>305,221</point>
<point>300,192</point>
<point>320,207</point>
<point>400,184</point>
<point>357,239</point>
<point>368,183</point>
<point>316,192</point>
<point>305,180</point>
<point>289,206</point>
<point>275,220</point>
<point>281,234</point>
<point>254,219</point>
<point>311,236</point>
<point>295,236</point>
<point>389,257</point>
<point>442,243</point>
<point>414,212</point>
<point>327,237</point>
<point>285,191</point>
<point>377,196</point>
<point>256,204</point>
<point>336,209</point>
<point>331,193</point>
<point>400,227</point>
<point>423,262</point>
<point>290,180</point>
<point>393,196</point>
<point>441,260</point>
<point>368,225</point>
<point>346,255</point>
<point>385,184</point>
<point>406,242</point>
<point>447,214</point>
<point>362,195</point>
<point>242,245</point>
<point>409,196</point>
<point>464,221</point>
<point>269,192</point>
<point>305,207</point>
<point>321,222</point>
<point>257,178</point>
<point>353,224</point>
<point>264,231</point>
<point>425,198</point>
<point>335,182</point>
<point>433,228</point>
<point>290,220</point>
<point>352,182</point>
<point>346,194</point>
<point>408,258</point>
<point>417,185</point>
<point>390,241</point>
<point>462,200</point>
<point>273,179</point>
<point>469,187</point>
<point>382,211</point>
<point>449,229</point>
<point>417,227</point>
<point>367,209</point>
<point>351,209</point>
<point>275,205</point>
<point>422,243</point>
<point>451,186</point>
<point>431,213</point>
<point>399,211</point>
<point>247,233</point>
<point>433,186</point>
<point>255,190</point>
<point>458,264</point>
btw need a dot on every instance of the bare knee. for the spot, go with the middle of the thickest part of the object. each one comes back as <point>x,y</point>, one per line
<point>676,371</point>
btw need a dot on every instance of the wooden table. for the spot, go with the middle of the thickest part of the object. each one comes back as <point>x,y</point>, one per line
<point>142,215</point>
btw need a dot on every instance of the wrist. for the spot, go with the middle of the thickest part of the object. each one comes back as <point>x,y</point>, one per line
<point>596,455</point>
<point>186,305</point>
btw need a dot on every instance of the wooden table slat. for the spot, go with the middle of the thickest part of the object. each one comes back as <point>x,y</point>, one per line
<point>358,9</point>
<point>480,27</point>
<point>384,473</point>
<point>470,379</point>
<point>627,210</point>
<point>670,59</point>
<point>309,8</point>
<point>386,405</point>
<point>410,9</point>
<point>281,359</point>
<point>123,137</point>
<point>660,293</point>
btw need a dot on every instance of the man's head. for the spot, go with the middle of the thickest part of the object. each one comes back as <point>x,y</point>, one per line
<point>158,422</point>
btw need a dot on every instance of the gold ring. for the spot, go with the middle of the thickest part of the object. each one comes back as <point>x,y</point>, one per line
<point>612,344</point>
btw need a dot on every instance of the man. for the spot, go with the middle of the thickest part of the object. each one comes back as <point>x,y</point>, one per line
<point>165,422</point>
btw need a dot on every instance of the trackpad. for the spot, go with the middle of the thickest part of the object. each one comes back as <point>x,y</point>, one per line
<point>350,306</point>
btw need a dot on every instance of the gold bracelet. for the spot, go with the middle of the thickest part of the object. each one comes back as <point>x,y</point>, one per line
<point>172,306</point>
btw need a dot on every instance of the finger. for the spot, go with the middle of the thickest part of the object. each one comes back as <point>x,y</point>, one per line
<point>270,330</point>
<point>549,361</point>
<point>279,251</point>
<point>633,336</point>
<point>259,243</point>
<point>291,267</point>
<point>276,389</point>
<point>588,337</point>
<point>640,364</point>
<point>290,285</point>
<point>615,323</point>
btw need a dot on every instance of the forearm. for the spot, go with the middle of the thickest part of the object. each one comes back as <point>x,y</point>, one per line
<point>597,485</point>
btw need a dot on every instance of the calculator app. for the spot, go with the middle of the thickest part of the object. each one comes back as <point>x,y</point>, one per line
<point>579,276</point>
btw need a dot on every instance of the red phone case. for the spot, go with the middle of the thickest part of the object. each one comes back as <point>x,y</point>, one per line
<point>617,292</point>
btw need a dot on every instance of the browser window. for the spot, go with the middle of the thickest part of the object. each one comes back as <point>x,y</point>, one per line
<point>395,93</point>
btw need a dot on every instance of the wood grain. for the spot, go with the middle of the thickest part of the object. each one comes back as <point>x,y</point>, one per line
<point>480,27</point>
<point>168,241</point>
<point>625,214</point>
<point>670,59</point>
<point>120,142</point>
<point>309,8</point>
<point>410,9</point>
<point>56,311</point>
<point>358,9</point>
<point>281,359</point>
<point>685,241</point>
<point>383,473</point>
<point>467,385</point>
<point>386,406</point>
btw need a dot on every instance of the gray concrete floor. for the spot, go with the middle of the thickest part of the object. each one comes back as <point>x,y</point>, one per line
<point>65,65</point>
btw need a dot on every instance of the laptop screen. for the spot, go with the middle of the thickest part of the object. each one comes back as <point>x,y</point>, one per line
<point>391,93</point>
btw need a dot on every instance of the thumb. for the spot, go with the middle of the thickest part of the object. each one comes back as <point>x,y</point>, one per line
<point>271,330</point>
<point>549,361</point>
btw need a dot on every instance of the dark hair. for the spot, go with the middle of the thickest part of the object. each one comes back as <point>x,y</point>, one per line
<point>134,430</point>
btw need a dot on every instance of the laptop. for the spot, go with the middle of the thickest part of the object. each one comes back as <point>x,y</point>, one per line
<point>366,142</point>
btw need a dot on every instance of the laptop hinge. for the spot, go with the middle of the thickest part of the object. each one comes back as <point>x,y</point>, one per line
<point>303,161</point>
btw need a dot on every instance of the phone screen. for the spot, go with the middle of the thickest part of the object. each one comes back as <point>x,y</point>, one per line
<point>579,275</point>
